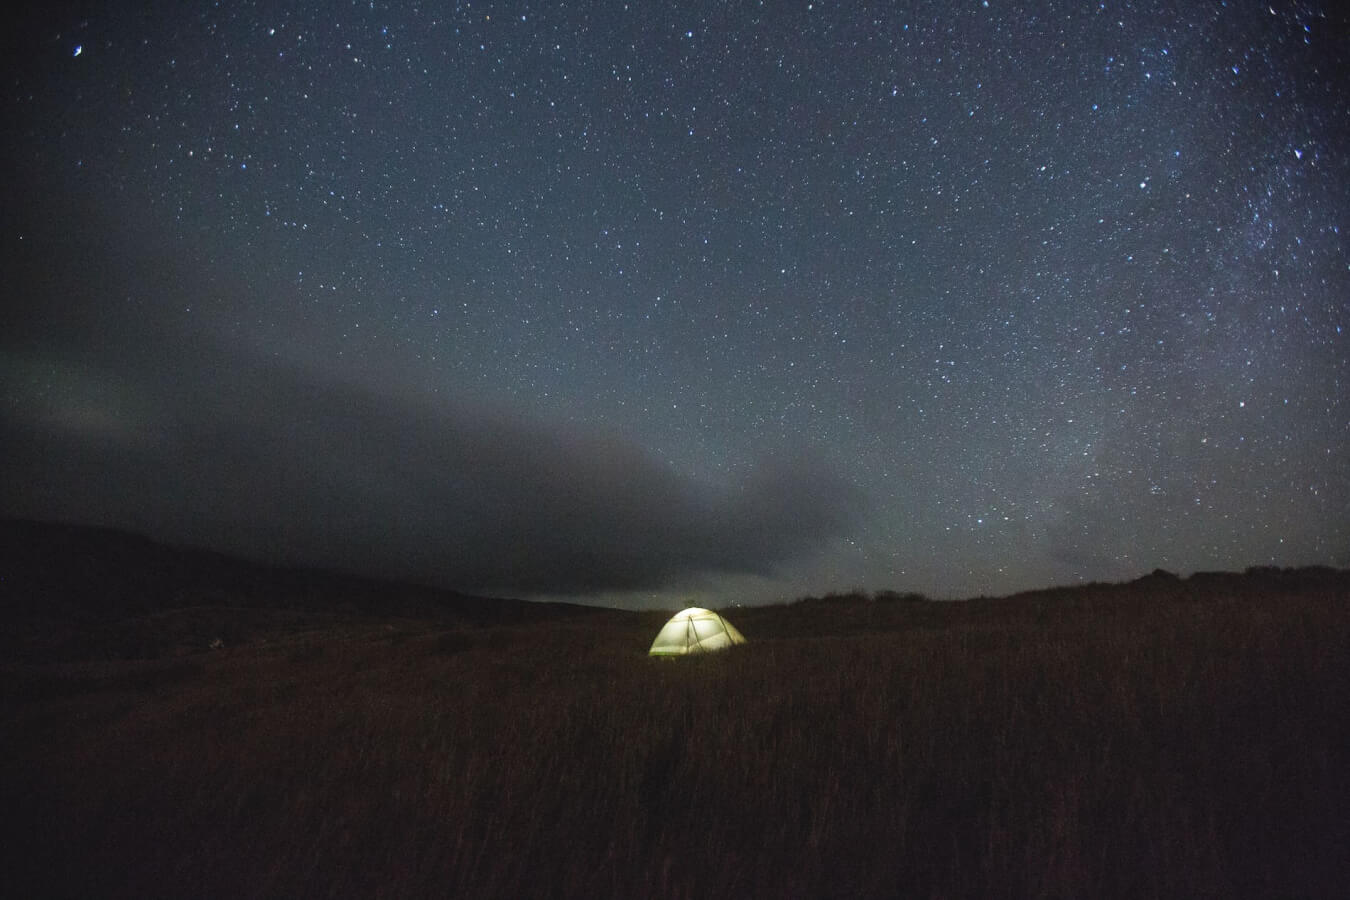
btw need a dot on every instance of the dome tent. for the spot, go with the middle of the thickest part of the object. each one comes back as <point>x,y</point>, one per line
<point>695,630</point>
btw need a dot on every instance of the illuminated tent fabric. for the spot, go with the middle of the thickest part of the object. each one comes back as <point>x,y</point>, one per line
<point>695,630</point>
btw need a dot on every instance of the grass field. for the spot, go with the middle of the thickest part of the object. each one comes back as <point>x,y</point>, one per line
<point>1152,740</point>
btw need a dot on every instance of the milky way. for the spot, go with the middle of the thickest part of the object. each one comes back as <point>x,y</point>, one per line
<point>731,301</point>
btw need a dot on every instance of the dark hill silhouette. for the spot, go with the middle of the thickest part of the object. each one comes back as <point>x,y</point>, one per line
<point>80,592</point>
<point>861,613</point>
<point>61,583</point>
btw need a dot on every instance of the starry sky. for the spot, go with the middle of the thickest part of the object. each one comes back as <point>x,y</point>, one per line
<point>646,303</point>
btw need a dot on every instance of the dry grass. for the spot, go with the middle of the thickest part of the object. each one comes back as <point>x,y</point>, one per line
<point>1085,747</point>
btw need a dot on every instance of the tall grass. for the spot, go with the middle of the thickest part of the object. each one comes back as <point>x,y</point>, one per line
<point>1003,750</point>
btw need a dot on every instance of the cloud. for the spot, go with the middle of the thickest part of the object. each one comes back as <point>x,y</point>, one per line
<point>203,443</point>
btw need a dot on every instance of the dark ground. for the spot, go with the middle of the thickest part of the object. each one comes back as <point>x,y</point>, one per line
<point>348,737</point>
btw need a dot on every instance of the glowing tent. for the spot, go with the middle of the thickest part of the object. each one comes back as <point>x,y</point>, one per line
<point>695,630</point>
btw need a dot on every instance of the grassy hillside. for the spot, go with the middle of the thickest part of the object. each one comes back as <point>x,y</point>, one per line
<point>70,592</point>
<point>1166,738</point>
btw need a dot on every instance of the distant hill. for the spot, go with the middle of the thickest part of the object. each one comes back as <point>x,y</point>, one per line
<point>56,577</point>
<point>862,613</point>
<point>74,592</point>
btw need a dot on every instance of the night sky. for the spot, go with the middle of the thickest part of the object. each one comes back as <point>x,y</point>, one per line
<point>653,303</point>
